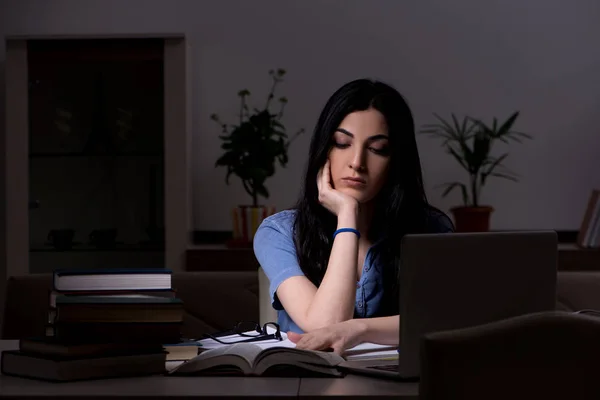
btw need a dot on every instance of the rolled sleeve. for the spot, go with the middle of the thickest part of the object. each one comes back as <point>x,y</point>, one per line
<point>275,251</point>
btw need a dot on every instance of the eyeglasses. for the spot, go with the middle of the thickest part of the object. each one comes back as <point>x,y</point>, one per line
<point>252,330</point>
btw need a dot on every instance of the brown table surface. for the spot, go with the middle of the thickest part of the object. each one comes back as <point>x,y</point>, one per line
<point>172,386</point>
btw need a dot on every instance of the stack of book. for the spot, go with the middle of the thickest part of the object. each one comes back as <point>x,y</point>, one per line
<point>102,323</point>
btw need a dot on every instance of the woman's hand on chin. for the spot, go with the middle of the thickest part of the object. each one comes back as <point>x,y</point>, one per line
<point>337,337</point>
<point>334,200</point>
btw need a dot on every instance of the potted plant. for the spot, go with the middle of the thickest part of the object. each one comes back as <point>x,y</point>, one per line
<point>470,142</point>
<point>252,148</point>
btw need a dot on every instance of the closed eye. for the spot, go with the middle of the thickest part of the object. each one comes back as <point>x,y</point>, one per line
<point>341,145</point>
<point>382,152</point>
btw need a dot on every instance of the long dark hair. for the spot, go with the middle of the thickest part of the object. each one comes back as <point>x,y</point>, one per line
<point>401,205</point>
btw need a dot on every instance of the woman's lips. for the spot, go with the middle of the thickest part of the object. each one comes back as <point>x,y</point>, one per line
<point>354,182</point>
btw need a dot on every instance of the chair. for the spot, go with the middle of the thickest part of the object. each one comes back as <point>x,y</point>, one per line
<point>548,355</point>
<point>266,311</point>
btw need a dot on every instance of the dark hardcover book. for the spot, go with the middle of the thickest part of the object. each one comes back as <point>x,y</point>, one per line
<point>115,332</point>
<point>122,293</point>
<point>134,308</point>
<point>182,351</point>
<point>111,279</point>
<point>66,369</point>
<point>52,346</point>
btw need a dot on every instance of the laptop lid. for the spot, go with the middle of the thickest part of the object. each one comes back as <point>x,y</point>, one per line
<point>456,280</point>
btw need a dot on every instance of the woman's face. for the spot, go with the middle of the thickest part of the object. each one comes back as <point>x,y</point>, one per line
<point>360,155</point>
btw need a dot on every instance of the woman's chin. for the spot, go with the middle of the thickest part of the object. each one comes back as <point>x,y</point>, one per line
<point>355,194</point>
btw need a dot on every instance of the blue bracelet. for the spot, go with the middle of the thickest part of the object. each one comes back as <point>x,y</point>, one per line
<point>346,230</point>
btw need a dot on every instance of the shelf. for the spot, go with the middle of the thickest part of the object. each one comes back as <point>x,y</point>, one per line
<point>84,155</point>
<point>89,248</point>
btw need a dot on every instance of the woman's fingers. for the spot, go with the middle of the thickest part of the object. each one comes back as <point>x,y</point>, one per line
<point>327,174</point>
<point>294,337</point>
<point>337,348</point>
<point>319,178</point>
<point>306,342</point>
<point>311,342</point>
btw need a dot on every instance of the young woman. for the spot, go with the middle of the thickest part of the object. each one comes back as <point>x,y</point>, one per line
<point>333,260</point>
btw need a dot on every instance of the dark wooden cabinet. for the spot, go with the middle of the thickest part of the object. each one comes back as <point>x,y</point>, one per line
<point>573,258</point>
<point>78,123</point>
<point>220,258</point>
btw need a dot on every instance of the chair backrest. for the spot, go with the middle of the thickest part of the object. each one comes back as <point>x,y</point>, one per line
<point>266,311</point>
<point>548,355</point>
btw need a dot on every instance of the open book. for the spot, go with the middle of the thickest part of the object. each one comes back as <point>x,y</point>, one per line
<point>273,358</point>
<point>252,359</point>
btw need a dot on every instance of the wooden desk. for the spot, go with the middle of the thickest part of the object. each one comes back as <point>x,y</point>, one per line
<point>172,386</point>
<point>153,386</point>
<point>355,386</point>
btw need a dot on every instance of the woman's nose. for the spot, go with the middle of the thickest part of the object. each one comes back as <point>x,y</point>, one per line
<point>357,162</point>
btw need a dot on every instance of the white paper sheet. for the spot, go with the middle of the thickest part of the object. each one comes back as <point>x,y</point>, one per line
<point>365,350</point>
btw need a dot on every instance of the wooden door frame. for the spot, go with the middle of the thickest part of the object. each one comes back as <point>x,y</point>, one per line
<point>177,147</point>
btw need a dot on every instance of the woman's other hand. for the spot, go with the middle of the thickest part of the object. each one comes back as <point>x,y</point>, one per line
<point>337,337</point>
<point>334,200</point>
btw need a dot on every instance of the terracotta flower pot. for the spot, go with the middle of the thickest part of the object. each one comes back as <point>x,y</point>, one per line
<point>246,220</point>
<point>472,219</point>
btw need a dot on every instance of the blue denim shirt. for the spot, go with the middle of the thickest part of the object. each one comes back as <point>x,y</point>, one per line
<point>275,251</point>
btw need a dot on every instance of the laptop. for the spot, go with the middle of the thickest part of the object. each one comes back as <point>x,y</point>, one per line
<point>458,280</point>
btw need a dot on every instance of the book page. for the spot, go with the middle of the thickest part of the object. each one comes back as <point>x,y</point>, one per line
<point>267,344</point>
<point>248,351</point>
<point>209,344</point>
<point>371,351</point>
<point>365,350</point>
<point>381,355</point>
<point>307,360</point>
<point>241,355</point>
<point>368,346</point>
<point>233,339</point>
<point>292,353</point>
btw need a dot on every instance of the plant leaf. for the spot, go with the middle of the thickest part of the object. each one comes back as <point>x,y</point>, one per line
<point>229,172</point>
<point>505,127</point>
<point>261,190</point>
<point>443,121</point>
<point>505,176</point>
<point>458,158</point>
<point>481,149</point>
<point>521,134</point>
<point>450,186</point>
<point>247,187</point>
<point>496,162</point>
<point>456,124</point>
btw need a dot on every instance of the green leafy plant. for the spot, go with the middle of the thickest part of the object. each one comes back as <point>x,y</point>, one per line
<point>470,142</point>
<point>257,142</point>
